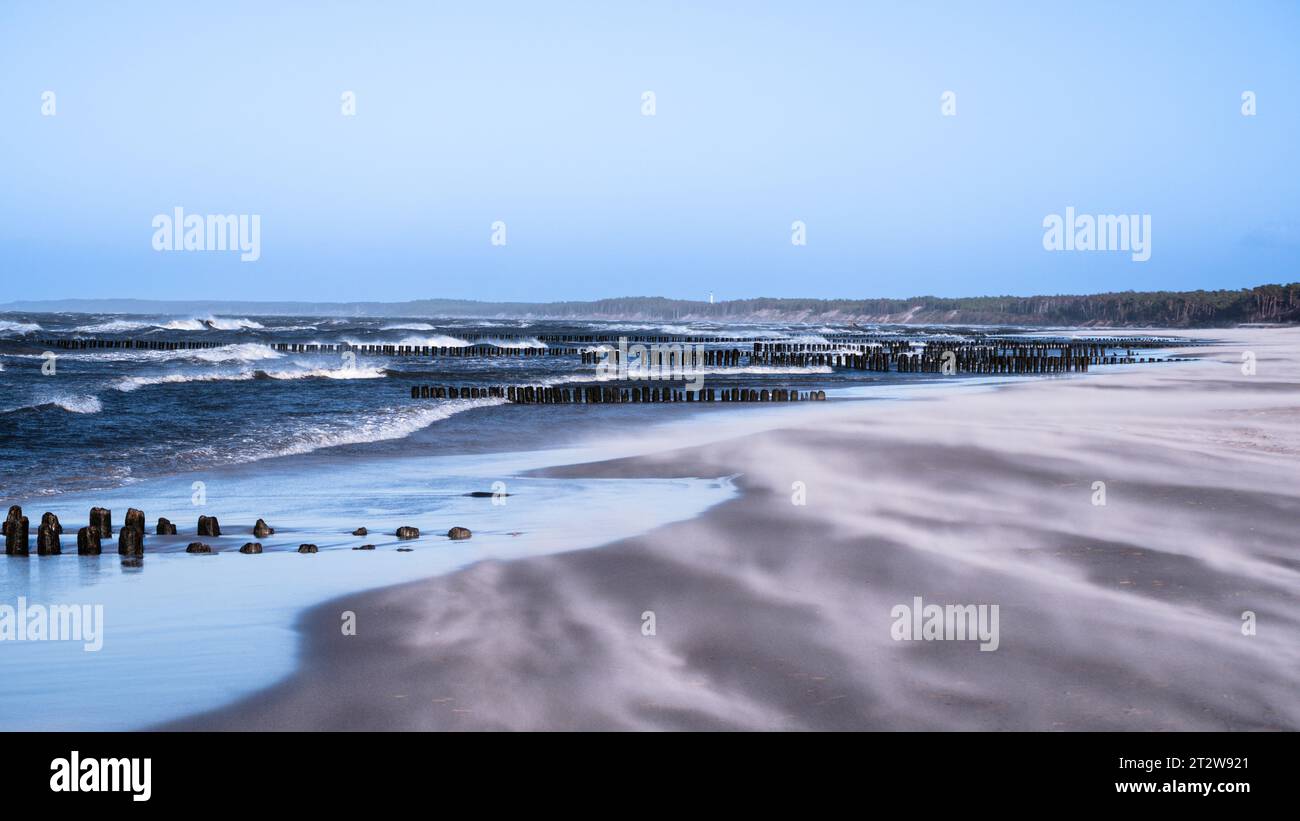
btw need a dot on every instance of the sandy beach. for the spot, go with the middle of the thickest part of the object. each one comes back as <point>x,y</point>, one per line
<point>769,614</point>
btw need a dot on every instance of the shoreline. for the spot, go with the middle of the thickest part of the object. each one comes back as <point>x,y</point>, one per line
<point>181,630</point>
<point>771,615</point>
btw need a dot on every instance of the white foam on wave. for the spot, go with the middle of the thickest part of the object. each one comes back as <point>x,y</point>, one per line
<point>435,341</point>
<point>328,373</point>
<point>212,323</point>
<point>441,341</point>
<point>77,403</point>
<point>18,327</point>
<point>113,326</point>
<point>661,328</point>
<point>244,352</point>
<point>240,352</point>
<point>131,383</point>
<point>524,342</point>
<point>444,341</point>
<point>483,323</point>
<point>409,326</point>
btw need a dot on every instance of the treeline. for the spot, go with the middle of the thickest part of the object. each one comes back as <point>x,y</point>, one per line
<point>1263,304</point>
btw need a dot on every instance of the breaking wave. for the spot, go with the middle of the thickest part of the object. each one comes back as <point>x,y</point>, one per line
<point>71,404</point>
<point>212,323</point>
<point>131,383</point>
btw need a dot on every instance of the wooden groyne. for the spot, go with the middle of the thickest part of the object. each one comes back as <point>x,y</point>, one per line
<point>463,351</point>
<point>131,535</point>
<point>77,344</point>
<point>979,355</point>
<point>604,394</point>
<point>900,357</point>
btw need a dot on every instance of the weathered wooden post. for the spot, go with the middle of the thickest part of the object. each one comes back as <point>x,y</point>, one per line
<point>101,519</point>
<point>88,541</point>
<point>16,539</point>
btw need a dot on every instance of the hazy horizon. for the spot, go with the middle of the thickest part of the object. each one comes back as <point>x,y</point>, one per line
<point>37,304</point>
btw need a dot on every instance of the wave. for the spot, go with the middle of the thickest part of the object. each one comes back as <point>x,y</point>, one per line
<point>639,326</point>
<point>233,324</point>
<point>435,341</point>
<point>112,326</point>
<point>239,352</point>
<point>382,425</point>
<point>71,404</point>
<point>528,342</point>
<point>409,326</point>
<point>375,426</point>
<point>243,351</point>
<point>19,327</point>
<point>212,323</point>
<point>482,323</point>
<point>327,373</point>
<point>132,383</point>
<point>445,341</point>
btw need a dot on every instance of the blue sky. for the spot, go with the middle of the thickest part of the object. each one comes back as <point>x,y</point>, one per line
<point>531,114</point>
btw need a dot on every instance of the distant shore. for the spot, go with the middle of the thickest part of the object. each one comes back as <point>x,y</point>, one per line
<point>1276,303</point>
<point>768,614</point>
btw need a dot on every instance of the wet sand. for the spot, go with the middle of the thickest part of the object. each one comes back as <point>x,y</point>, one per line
<point>775,615</point>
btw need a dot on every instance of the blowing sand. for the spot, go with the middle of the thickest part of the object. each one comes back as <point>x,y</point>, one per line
<point>773,615</point>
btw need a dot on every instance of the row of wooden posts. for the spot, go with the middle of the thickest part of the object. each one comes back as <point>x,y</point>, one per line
<point>929,359</point>
<point>132,344</point>
<point>604,394</point>
<point>897,344</point>
<point>425,350</point>
<point>676,356</point>
<point>990,355</point>
<point>89,539</point>
<point>1096,346</point>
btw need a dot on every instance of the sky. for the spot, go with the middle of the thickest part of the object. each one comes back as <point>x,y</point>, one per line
<point>533,115</point>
